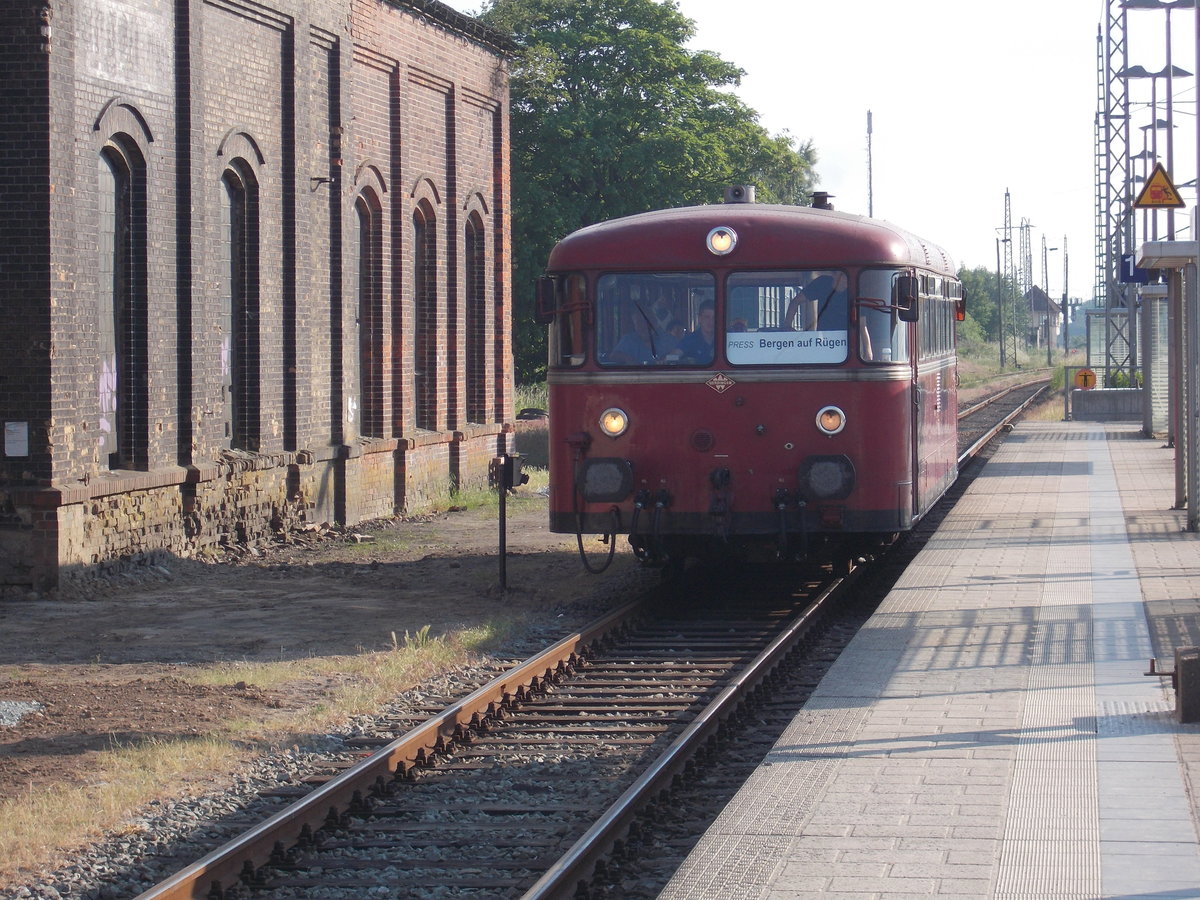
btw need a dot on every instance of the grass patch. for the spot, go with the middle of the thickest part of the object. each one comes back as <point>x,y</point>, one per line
<point>41,821</point>
<point>531,396</point>
<point>1050,409</point>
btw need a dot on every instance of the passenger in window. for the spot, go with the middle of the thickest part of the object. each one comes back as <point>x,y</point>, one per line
<point>660,312</point>
<point>820,305</point>
<point>697,347</point>
<point>668,344</point>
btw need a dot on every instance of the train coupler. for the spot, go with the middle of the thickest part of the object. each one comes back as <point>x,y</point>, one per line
<point>782,500</point>
<point>662,501</point>
<point>720,507</point>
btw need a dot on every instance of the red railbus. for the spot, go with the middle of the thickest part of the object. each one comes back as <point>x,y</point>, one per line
<point>741,375</point>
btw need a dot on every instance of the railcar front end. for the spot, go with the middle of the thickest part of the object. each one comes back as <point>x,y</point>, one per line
<point>740,377</point>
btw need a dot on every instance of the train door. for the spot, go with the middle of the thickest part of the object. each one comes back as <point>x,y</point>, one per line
<point>934,408</point>
<point>916,403</point>
<point>886,345</point>
<point>906,295</point>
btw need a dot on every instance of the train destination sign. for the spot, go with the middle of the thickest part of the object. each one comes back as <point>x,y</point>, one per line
<point>772,348</point>
<point>1159,192</point>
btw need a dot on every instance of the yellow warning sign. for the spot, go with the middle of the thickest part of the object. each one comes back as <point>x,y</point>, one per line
<point>1085,379</point>
<point>1159,192</point>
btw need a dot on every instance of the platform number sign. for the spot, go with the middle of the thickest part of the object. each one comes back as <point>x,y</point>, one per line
<point>1130,273</point>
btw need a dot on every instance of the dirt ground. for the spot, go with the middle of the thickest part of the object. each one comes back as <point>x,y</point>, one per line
<point>106,669</point>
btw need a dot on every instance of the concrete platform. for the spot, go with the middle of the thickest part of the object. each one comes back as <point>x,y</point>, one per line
<point>990,732</point>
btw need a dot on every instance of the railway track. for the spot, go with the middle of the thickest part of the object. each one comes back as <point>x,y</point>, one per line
<point>497,792</point>
<point>539,783</point>
<point>979,422</point>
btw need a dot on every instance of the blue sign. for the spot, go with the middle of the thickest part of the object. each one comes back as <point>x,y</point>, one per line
<point>1130,273</point>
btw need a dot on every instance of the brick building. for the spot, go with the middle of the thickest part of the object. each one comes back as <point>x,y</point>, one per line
<point>253,271</point>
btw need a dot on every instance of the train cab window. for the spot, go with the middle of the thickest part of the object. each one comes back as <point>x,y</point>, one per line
<point>567,345</point>
<point>787,318</point>
<point>655,319</point>
<point>882,335</point>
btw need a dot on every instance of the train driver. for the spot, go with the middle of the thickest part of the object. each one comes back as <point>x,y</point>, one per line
<point>697,347</point>
<point>636,347</point>
<point>820,305</point>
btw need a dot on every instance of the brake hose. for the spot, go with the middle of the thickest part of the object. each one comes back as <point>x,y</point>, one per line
<point>610,537</point>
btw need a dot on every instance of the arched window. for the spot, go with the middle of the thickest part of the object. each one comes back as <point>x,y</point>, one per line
<point>122,312</point>
<point>477,321</point>
<point>370,313</point>
<point>425,333</point>
<point>240,348</point>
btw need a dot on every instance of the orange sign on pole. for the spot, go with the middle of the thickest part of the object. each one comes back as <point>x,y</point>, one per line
<point>1085,379</point>
<point>1159,192</point>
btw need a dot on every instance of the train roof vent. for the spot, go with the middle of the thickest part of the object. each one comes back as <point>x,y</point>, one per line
<point>739,193</point>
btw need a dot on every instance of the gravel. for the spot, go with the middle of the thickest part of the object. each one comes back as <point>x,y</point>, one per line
<point>169,834</point>
<point>13,711</point>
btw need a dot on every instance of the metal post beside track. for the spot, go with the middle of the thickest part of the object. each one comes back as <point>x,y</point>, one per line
<point>506,475</point>
<point>1182,255</point>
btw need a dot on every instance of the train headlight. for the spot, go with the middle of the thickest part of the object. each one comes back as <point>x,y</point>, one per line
<point>721,241</point>
<point>831,420</point>
<point>614,421</point>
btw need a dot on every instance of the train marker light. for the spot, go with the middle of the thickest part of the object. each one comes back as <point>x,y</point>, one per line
<point>613,422</point>
<point>721,241</point>
<point>604,480</point>
<point>824,478</point>
<point>831,420</point>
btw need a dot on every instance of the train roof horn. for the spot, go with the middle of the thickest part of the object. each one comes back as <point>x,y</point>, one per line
<point>739,193</point>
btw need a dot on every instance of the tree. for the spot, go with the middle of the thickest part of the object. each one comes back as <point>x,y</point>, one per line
<point>979,287</point>
<point>612,115</point>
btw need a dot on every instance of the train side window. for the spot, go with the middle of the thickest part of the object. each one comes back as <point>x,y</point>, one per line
<point>568,345</point>
<point>882,335</point>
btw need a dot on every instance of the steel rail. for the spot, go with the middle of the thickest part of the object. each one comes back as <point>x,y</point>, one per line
<point>991,433</point>
<point>240,857</point>
<point>579,862</point>
<point>983,404</point>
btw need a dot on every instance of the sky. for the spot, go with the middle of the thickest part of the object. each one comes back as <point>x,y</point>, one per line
<point>968,100</point>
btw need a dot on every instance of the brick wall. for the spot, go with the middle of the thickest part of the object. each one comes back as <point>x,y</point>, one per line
<point>238,145</point>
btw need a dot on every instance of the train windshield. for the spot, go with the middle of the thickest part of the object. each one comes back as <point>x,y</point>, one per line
<point>787,318</point>
<point>657,318</point>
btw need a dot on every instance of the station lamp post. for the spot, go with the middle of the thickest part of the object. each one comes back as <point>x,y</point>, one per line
<point>1169,71</point>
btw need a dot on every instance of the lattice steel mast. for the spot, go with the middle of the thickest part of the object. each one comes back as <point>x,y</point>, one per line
<point>1114,197</point>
